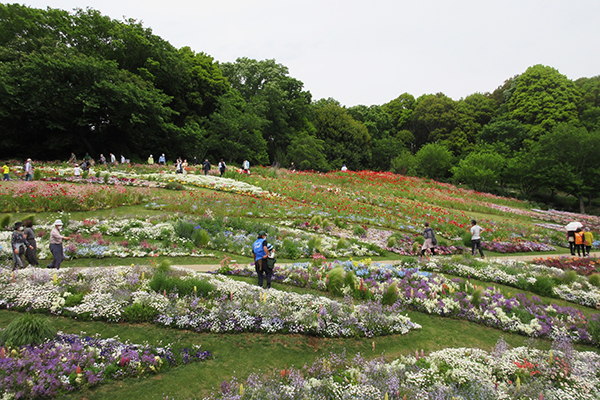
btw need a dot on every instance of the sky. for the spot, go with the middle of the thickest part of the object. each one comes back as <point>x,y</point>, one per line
<point>370,52</point>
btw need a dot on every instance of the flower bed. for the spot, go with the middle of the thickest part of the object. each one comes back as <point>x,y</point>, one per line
<point>583,266</point>
<point>108,294</point>
<point>454,373</point>
<point>436,294</point>
<point>71,362</point>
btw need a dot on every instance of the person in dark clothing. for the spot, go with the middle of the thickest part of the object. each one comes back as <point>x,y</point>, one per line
<point>261,253</point>
<point>206,167</point>
<point>30,243</point>
<point>430,240</point>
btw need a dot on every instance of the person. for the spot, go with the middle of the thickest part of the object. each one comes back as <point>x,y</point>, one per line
<point>162,160</point>
<point>246,167</point>
<point>271,260</point>
<point>261,253</point>
<point>344,168</point>
<point>56,246</point>
<point>6,172</point>
<point>206,167</point>
<point>588,239</point>
<point>195,161</point>
<point>430,240</point>
<point>113,159</point>
<point>571,240</point>
<point>30,243</point>
<point>476,238</point>
<point>84,166</point>
<point>292,167</point>
<point>579,242</point>
<point>222,167</point>
<point>150,160</point>
<point>28,170</point>
<point>17,242</point>
<point>102,159</point>
<point>76,171</point>
<point>184,166</point>
<point>73,158</point>
<point>178,166</point>
<point>122,159</point>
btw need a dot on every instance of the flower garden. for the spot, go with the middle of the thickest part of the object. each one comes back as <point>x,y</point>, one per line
<point>328,230</point>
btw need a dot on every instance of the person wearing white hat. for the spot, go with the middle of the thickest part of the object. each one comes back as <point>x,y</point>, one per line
<point>56,246</point>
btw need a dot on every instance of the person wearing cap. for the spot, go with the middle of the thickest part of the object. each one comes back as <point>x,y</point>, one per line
<point>150,160</point>
<point>17,242</point>
<point>56,247</point>
<point>28,170</point>
<point>261,253</point>
<point>76,171</point>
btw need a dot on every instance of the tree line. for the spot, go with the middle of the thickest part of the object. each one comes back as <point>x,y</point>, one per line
<point>83,82</point>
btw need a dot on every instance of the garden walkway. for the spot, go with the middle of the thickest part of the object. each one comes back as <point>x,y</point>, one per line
<point>214,267</point>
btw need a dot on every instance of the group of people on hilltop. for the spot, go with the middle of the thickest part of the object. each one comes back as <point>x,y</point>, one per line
<point>580,241</point>
<point>24,246</point>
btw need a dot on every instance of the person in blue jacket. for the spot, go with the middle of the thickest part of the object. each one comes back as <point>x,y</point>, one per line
<point>260,252</point>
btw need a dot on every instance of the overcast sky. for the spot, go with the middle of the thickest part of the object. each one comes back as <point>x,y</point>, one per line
<point>370,52</point>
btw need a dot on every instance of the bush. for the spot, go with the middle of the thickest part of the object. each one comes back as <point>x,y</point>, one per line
<point>316,220</point>
<point>336,281</point>
<point>184,229</point>
<point>594,328</point>
<point>164,267</point>
<point>5,221</point>
<point>569,277</point>
<point>341,244</point>
<point>289,249</point>
<point>466,239</point>
<point>200,237</point>
<point>476,297</point>
<point>340,223</point>
<point>314,245</point>
<point>390,295</point>
<point>391,241</point>
<point>594,280</point>
<point>359,230</point>
<point>74,300</point>
<point>350,280</point>
<point>138,312</point>
<point>543,286</point>
<point>85,174</point>
<point>37,174</point>
<point>27,329</point>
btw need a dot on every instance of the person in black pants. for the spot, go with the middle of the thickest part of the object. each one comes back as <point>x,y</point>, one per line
<point>476,238</point>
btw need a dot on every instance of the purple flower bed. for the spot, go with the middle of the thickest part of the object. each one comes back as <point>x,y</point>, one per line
<point>70,362</point>
<point>516,247</point>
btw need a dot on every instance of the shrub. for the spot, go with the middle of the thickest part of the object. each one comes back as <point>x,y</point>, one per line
<point>27,329</point>
<point>74,300</point>
<point>476,297</point>
<point>289,249</point>
<point>5,221</point>
<point>336,281</point>
<point>138,312</point>
<point>359,230</point>
<point>340,223</point>
<point>174,186</point>
<point>200,237</point>
<point>391,241</point>
<point>466,239</point>
<point>314,245</point>
<point>164,267</point>
<point>37,174</point>
<point>105,179</point>
<point>316,220</point>
<point>350,280</point>
<point>569,277</point>
<point>543,286</point>
<point>85,174</point>
<point>184,229</point>
<point>98,174</point>
<point>341,244</point>
<point>390,295</point>
<point>594,328</point>
<point>594,280</point>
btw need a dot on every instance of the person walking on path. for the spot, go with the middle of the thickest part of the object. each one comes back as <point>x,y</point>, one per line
<point>17,243</point>
<point>571,240</point>
<point>430,240</point>
<point>6,172</point>
<point>150,160</point>
<point>246,167</point>
<point>260,252</point>
<point>28,170</point>
<point>222,167</point>
<point>56,245</point>
<point>31,250</point>
<point>588,238</point>
<point>476,238</point>
<point>579,242</point>
<point>206,167</point>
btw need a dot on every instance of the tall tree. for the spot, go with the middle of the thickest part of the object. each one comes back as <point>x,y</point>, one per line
<point>543,98</point>
<point>434,118</point>
<point>277,97</point>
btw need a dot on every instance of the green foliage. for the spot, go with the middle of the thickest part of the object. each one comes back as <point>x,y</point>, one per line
<point>106,176</point>
<point>466,239</point>
<point>138,313</point>
<point>359,231</point>
<point>342,243</point>
<point>37,174</point>
<point>569,277</point>
<point>543,286</point>
<point>480,170</point>
<point>314,245</point>
<point>5,221</point>
<point>476,297</point>
<point>390,295</point>
<point>350,280</point>
<point>164,267</point>
<point>336,281</point>
<point>404,163</point>
<point>434,161</point>
<point>184,229</point>
<point>594,328</point>
<point>27,329</point>
<point>594,279</point>
<point>289,249</point>
<point>162,282</point>
<point>392,241</point>
<point>340,223</point>
<point>316,220</point>
<point>200,237</point>
<point>74,299</point>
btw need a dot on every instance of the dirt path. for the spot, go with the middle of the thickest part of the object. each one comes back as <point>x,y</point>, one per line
<point>214,267</point>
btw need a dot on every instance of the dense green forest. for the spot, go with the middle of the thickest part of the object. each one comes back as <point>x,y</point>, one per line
<point>83,82</point>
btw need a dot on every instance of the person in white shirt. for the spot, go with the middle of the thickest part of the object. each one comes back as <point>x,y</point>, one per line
<point>28,170</point>
<point>76,171</point>
<point>344,168</point>
<point>476,238</point>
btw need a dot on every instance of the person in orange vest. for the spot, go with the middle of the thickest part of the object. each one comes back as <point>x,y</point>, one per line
<point>588,238</point>
<point>579,242</point>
